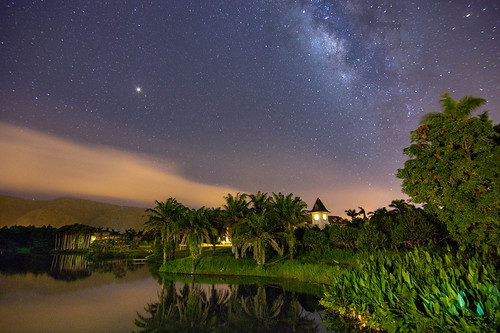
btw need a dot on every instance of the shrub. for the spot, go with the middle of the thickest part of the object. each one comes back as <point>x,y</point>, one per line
<point>343,236</point>
<point>315,238</point>
<point>370,237</point>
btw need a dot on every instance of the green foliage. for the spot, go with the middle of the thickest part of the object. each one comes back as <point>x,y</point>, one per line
<point>258,231</point>
<point>315,238</point>
<point>163,219</point>
<point>417,291</point>
<point>195,228</point>
<point>371,237</point>
<point>454,168</point>
<point>343,236</point>
<point>290,212</point>
<point>223,263</point>
<point>413,227</point>
<point>235,209</point>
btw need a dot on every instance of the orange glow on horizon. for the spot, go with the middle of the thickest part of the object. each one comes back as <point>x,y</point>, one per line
<point>34,162</point>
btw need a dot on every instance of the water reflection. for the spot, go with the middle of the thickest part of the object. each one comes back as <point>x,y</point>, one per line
<point>119,296</point>
<point>194,307</point>
<point>69,267</point>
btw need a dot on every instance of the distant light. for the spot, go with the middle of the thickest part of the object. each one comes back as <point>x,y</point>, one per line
<point>138,89</point>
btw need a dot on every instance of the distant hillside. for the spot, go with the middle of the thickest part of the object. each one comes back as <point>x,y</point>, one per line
<point>64,211</point>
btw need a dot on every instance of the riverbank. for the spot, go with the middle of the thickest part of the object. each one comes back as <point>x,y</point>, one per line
<point>409,291</point>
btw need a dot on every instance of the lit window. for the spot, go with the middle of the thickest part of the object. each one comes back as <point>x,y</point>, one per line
<point>316,217</point>
<point>324,216</point>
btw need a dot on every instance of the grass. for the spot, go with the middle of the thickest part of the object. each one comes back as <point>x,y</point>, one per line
<point>307,269</point>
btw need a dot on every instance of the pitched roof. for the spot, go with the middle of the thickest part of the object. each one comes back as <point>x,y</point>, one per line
<point>337,220</point>
<point>319,207</point>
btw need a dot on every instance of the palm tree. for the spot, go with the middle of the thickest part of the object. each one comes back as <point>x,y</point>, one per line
<point>351,213</point>
<point>234,210</point>
<point>216,220</point>
<point>195,229</point>
<point>451,109</point>
<point>400,206</point>
<point>163,218</point>
<point>255,231</point>
<point>260,202</point>
<point>290,213</point>
<point>362,212</point>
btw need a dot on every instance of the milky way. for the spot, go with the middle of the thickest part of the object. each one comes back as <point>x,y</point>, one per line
<point>317,98</point>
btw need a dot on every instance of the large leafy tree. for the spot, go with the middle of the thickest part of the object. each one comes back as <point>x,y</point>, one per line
<point>453,168</point>
<point>163,218</point>
<point>290,212</point>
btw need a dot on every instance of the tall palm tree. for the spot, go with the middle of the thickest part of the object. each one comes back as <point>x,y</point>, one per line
<point>216,220</point>
<point>195,229</point>
<point>256,231</point>
<point>163,218</point>
<point>234,210</point>
<point>290,213</point>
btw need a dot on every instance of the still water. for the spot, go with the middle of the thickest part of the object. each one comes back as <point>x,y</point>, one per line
<point>73,295</point>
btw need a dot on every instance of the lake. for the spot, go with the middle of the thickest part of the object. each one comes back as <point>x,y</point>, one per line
<point>69,294</point>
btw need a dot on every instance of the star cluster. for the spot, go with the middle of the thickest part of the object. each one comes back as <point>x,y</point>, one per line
<point>311,97</point>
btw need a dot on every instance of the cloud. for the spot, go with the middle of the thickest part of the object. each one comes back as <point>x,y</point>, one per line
<point>33,162</point>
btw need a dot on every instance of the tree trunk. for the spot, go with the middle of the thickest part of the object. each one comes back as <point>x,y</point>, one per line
<point>234,248</point>
<point>165,251</point>
<point>263,249</point>
<point>174,246</point>
<point>164,241</point>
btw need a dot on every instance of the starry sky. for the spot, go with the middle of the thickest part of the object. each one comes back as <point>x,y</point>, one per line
<point>133,101</point>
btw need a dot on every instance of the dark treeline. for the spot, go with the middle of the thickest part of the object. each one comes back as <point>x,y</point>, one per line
<point>31,239</point>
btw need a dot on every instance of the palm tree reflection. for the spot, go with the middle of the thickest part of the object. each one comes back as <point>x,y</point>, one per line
<point>183,307</point>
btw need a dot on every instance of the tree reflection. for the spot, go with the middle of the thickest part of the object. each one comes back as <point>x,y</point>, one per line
<point>257,306</point>
<point>72,267</point>
<point>69,267</point>
<point>192,307</point>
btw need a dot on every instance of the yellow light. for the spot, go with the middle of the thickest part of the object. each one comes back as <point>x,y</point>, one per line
<point>324,216</point>
<point>316,217</point>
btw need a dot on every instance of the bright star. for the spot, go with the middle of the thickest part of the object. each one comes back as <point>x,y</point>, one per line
<point>138,89</point>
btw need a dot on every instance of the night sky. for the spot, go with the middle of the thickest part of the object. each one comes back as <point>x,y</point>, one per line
<point>133,101</point>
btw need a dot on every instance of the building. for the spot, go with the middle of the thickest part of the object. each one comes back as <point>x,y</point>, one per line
<point>320,217</point>
<point>104,235</point>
